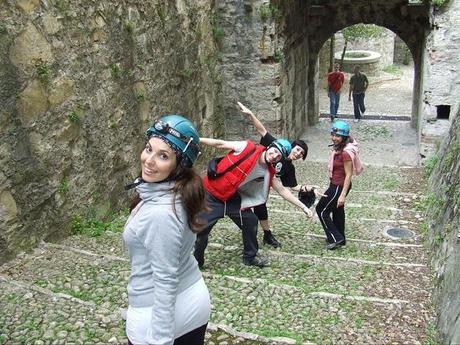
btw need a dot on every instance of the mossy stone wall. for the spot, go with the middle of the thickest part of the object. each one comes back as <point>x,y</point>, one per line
<point>80,83</point>
<point>444,235</point>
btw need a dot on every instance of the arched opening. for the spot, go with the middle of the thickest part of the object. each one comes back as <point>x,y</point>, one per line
<point>386,61</point>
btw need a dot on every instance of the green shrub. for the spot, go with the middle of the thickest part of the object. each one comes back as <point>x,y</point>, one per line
<point>362,31</point>
<point>115,71</point>
<point>43,71</point>
<point>268,12</point>
<point>430,164</point>
<point>93,227</point>
<point>74,117</point>
<point>392,69</point>
<point>63,187</point>
<point>279,55</point>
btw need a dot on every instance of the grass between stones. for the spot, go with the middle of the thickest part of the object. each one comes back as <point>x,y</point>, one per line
<point>319,275</point>
<point>271,310</point>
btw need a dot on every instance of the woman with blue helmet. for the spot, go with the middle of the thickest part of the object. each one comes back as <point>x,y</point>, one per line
<point>331,207</point>
<point>168,299</point>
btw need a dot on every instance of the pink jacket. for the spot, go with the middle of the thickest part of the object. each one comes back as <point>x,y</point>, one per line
<point>353,150</point>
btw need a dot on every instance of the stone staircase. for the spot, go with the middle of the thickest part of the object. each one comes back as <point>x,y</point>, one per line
<point>375,290</point>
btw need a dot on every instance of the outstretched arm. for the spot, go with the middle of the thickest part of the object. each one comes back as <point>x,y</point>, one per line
<point>255,121</point>
<point>221,144</point>
<point>287,195</point>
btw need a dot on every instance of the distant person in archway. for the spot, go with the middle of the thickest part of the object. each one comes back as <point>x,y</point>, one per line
<point>344,161</point>
<point>335,80</point>
<point>358,87</point>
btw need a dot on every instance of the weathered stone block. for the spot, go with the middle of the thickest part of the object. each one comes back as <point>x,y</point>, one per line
<point>8,208</point>
<point>33,102</point>
<point>60,90</point>
<point>30,47</point>
<point>27,5</point>
<point>51,24</point>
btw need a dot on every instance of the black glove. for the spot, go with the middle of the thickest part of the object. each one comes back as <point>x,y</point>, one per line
<point>307,198</point>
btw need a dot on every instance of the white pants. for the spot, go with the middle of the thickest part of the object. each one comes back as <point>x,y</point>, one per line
<point>193,307</point>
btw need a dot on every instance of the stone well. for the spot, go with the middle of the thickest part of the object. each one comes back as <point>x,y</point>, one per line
<point>367,60</point>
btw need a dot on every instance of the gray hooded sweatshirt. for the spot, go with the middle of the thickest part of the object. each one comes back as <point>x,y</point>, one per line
<point>160,245</point>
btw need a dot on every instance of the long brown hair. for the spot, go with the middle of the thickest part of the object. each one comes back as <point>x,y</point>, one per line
<point>189,185</point>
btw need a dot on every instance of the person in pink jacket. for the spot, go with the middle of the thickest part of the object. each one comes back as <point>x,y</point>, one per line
<point>344,161</point>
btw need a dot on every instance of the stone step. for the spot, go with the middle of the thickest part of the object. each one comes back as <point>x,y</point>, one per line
<point>46,317</point>
<point>352,210</point>
<point>102,280</point>
<point>90,278</point>
<point>325,274</point>
<point>271,309</point>
<point>328,287</point>
<point>312,244</point>
<point>33,315</point>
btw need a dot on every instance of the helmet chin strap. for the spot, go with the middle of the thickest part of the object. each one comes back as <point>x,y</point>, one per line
<point>136,183</point>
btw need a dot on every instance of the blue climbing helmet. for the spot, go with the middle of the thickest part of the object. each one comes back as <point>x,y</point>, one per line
<point>181,134</point>
<point>340,128</point>
<point>283,146</point>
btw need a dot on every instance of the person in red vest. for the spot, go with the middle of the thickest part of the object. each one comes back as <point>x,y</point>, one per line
<point>335,80</point>
<point>246,175</point>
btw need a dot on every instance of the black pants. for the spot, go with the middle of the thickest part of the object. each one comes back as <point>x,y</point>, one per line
<point>358,104</point>
<point>261,212</point>
<point>195,337</point>
<point>246,220</point>
<point>333,227</point>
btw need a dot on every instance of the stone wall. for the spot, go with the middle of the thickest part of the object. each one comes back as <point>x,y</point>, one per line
<point>81,81</point>
<point>444,234</point>
<point>251,54</point>
<point>401,53</point>
<point>441,76</point>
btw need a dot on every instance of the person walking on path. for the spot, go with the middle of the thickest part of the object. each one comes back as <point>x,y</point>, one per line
<point>358,87</point>
<point>344,161</point>
<point>244,177</point>
<point>335,80</point>
<point>285,170</point>
<point>168,300</point>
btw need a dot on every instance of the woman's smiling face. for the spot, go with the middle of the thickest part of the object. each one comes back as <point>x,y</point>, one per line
<point>336,139</point>
<point>158,160</point>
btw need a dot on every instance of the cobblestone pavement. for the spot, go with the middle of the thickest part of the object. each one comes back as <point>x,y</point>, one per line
<point>375,290</point>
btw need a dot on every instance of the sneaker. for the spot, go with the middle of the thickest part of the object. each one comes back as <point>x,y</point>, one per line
<point>355,120</point>
<point>270,239</point>
<point>256,261</point>
<point>335,245</point>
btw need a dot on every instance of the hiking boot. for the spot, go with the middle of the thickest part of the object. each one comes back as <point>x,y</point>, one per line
<point>255,261</point>
<point>270,239</point>
<point>335,245</point>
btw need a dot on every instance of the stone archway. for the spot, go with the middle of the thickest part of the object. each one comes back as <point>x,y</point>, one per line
<point>307,25</point>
